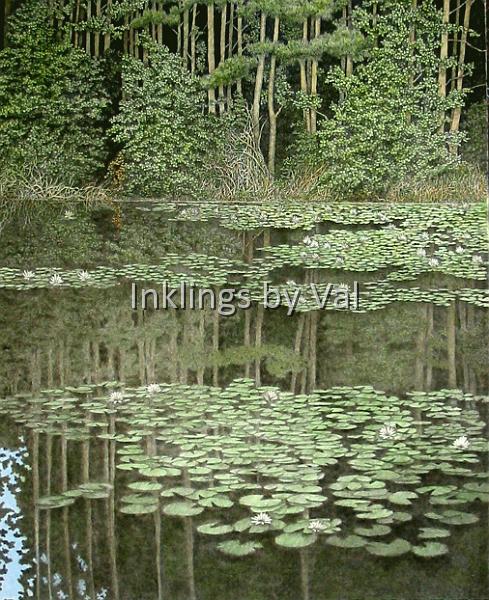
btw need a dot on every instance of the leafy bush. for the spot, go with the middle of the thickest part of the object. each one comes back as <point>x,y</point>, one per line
<point>387,127</point>
<point>161,126</point>
<point>53,106</point>
<point>474,150</point>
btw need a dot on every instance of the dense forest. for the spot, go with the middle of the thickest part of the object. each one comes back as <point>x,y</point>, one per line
<point>242,99</point>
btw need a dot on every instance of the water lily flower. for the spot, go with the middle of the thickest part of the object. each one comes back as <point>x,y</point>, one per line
<point>56,279</point>
<point>307,241</point>
<point>462,442</point>
<point>28,275</point>
<point>303,255</point>
<point>69,215</point>
<point>425,236</point>
<point>433,261</point>
<point>315,256</point>
<point>271,396</point>
<point>343,286</point>
<point>261,519</point>
<point>421,252</point>
<point>387,432</point>
<point>153,388</point>
<point>314,244</point>
<point>327,245</point>
<point>477,259</point>
<point>83,275</point>
<point>317,526</point>
<point>290,283</point>
<point>459,250</point>
<point>116,397</point>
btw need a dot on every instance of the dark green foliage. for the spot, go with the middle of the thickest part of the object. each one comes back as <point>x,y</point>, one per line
<point>52,101</point>
<point>161,125</point>
<point>387,128</point>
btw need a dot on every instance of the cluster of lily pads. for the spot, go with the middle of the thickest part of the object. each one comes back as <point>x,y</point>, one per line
<point>248,466</point>
<point>409,252</point>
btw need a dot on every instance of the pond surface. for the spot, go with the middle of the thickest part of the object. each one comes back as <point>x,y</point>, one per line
<point>332,453</point>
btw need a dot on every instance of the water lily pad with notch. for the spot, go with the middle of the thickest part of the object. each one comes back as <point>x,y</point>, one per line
<point>214,528</point>
<point>182,509</point>
<point>397,547</point>
<point>430,550</point>
<point>238,549</point>
<point>295,540</point>
<point>350,541</point>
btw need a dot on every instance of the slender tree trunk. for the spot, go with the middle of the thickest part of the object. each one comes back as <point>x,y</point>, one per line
<point>239,84</point>
<point>457,111</point>
<point>260,73</point>
<point>303,75</point>
<point>349,24</point>
<point>455,50</point>
<point>272,114</point>
<point>186,36</point>
<point>193,41</point>
<point>211,54</point>
<point>96,35</point>
<point>230,52</point>
<point>314,76</point>
<point>222,57</point>
<point>442,75</point>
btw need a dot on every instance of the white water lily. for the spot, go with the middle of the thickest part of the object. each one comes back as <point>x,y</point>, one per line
<point>462,442</point>
<point>315,256</point>
<point>290,283</point>
<point>433,261</point>
<point>327,245</point>
<point>83,275</point>
<point>55,279</point>
<point>343,286</point>
<point>271,396</point>
<point>425,236</point>
<point>459,250</point>
<point>314,244</point>
<point>477,259</point>
<point>153,388</point>
<point>421,252</point>
<point>307,241</point>
<point>116,397</point>
<point>387,432</point>
<point>69,215</point>
<point>28,275</point>
<point>261,519</point>
<point>317,526</point>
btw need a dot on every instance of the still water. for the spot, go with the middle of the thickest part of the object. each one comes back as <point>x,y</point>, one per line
<point>182,454</point>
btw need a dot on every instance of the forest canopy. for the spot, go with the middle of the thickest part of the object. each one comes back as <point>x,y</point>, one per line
<point>251,97</point>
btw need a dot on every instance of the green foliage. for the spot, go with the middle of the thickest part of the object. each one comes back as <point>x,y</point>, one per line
<point>388,126</point>
<point>52,101</point>
<point>474,149</point>
<point>161,125</point>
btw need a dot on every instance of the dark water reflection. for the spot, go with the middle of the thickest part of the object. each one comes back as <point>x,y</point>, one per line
<point>54,338</point>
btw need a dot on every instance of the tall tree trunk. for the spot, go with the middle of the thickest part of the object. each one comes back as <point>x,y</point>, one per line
<point>457,111</point>
<point>349,24</point>
<point>222,57</point>
<point>96,35</point>
<point>272,114</point>
<point>260,73</point>
<point>186,36</point>
<point>211,54</point>
<point>314,76</point>
<point>442,74</point>
<point>239,85</point>
<point>193,41</point>
<point>230,52</point>
<point>303,75</point>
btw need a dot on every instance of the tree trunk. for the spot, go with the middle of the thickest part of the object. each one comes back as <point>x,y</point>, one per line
<point>186,36</point>
<point>457,111</point>
<point>240,51</point>
<point>193,41</point>
<point>211,55</point>
<point>272,114</point>
<point>230,52</point>
<point>303,75</point>
<point>442,75</point>
<point>222,57</point>
<point>349,24</point>
<point>314,76</point>
<point>260,73</point>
